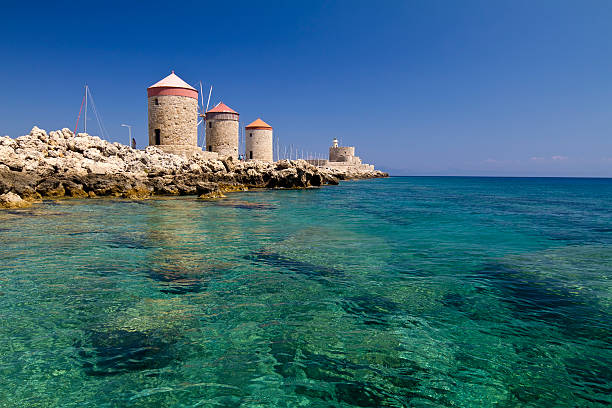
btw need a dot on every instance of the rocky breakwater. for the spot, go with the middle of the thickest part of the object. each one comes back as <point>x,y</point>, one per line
<point>59,164</point>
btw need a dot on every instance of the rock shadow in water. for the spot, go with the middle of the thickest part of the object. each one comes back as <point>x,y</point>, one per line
<point>121,351</point>
<point>176,281</point>
<point>129,241</point>
<point>594,374</point>
<point>602,229</point>
<point>370,309</point>
<point>246,205</point>
<point>341,380</point>
<point>456,301</point>
<point>33,213</point>
<point>180,280</point>
<point>547,300</point>
<point>79,233</point>
<point>303,268</point>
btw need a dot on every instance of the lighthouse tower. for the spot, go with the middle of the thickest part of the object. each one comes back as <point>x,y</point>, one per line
<point>173,116</point>
<point>258,136</point>
<point>222,131</point>
<point>342,153</point>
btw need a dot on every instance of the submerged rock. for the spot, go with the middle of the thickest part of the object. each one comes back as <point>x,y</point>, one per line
<point>140,337</point>
<point>60,164</point>
<point>122,351</point>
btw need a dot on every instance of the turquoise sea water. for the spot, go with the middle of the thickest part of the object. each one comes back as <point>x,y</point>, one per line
<point>425,292</point>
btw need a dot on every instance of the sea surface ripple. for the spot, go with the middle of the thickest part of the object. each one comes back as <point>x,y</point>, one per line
<point>399,292</point>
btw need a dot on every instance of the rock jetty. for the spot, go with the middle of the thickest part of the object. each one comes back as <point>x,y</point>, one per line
<point>60,164</point>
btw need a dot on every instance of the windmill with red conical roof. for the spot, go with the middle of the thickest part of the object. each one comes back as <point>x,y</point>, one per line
<point>173,116</point>
<point>222,130</point>
<point>258,141</point>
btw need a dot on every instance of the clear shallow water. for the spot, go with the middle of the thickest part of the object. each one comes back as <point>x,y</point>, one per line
<point>396,292</point>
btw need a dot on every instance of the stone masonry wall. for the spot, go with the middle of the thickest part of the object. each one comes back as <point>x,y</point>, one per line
<point>176,117</point>
<point>188,151</point>
<point>259,141</point>
<point>341,154</point>
<point>318,162</point>
<point>222,136</point>
<point>345,166</point>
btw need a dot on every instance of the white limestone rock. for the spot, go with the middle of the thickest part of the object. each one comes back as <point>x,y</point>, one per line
<point>42,161</point>
<point>12,200</point>
<point>41,134</point>
<point>11,159</point>
<point>93,154</point>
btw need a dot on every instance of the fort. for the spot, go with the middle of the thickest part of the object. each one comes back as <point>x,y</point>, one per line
<point>342,158</point>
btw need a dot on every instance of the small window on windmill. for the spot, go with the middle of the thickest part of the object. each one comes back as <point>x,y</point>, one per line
<point>250,135</point>
<point>210,124</point>
<point>209,148</point>
<point>157,136</point>
<point>250,154</point>
<point>156,101</point>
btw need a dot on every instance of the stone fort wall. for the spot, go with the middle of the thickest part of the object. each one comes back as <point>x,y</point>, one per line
<point>341,154</point>
<point>259,141</point>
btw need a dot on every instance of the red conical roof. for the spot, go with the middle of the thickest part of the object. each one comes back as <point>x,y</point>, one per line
<point>258,124</point>
<point>222,108</point>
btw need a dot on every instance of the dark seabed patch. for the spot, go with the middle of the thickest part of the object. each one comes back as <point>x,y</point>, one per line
<point>340,380</point>
<point>104,269</point>
<point>370,309</point>
<point>79,233</point>
<point>121,351</point>
<point>246,205</point>
<point>176,280</point>
<point>33,213</point>
<point>456,301</point>
<point>179,280</point>
<point>602,229</point>
<point>591,374</point>
<point>547,300</point>
<point>131,241</point>
<point>304,268</point>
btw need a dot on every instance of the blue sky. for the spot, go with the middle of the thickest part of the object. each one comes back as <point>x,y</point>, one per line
<point>433,87</point>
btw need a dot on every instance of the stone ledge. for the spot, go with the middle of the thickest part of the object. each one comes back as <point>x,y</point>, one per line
<point>187,151</point>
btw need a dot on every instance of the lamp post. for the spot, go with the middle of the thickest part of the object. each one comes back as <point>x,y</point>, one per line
<point>129,134</point>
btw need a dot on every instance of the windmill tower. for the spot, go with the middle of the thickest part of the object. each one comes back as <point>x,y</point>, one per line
<point>222,131</point>
<point>173,116</point>
<point>258,141</point>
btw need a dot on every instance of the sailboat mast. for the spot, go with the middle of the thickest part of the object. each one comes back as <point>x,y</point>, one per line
<point>76,126</point>
<point>85,108</point>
